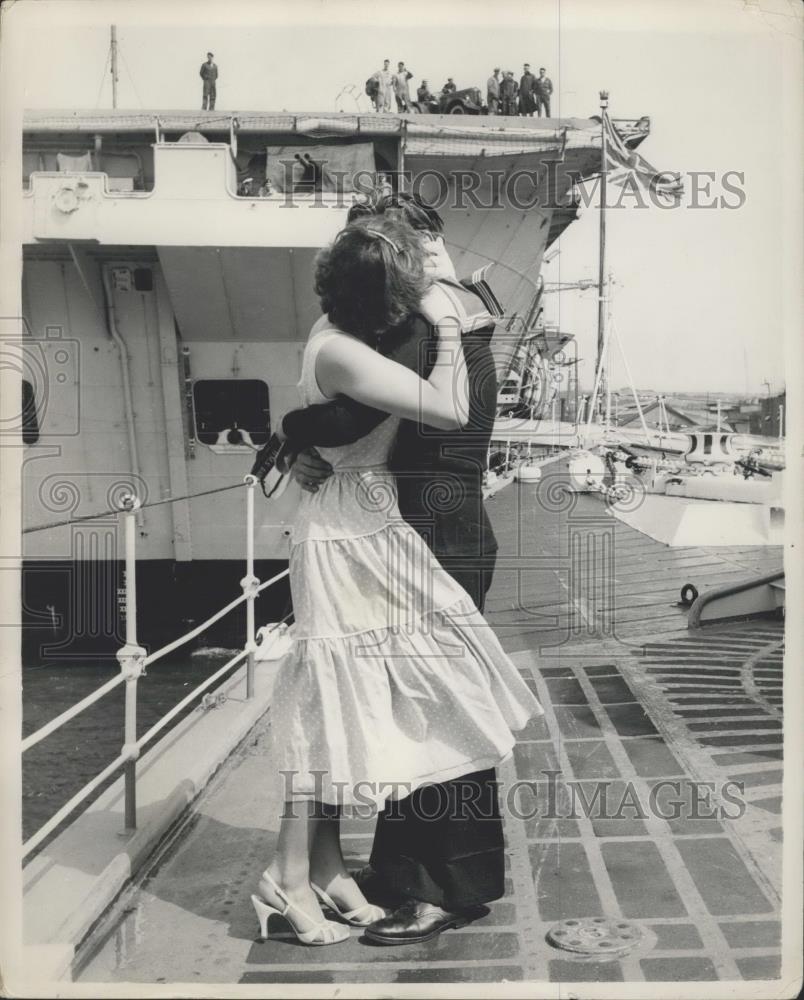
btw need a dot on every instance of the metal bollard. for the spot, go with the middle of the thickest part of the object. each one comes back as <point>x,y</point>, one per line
<point>131,659</point>
<point>250,585</point>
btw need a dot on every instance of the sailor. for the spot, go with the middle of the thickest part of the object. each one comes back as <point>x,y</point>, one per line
<point>427,101</point>
<point>527,104</point>
<point>384,78</point>
<point>493,92</point>
<point>542,89</point>
<point>209,74</point>
<point>508,92</point>
<point>401,89</point>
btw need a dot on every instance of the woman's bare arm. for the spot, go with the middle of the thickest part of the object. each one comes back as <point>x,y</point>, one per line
<point>348,366</point>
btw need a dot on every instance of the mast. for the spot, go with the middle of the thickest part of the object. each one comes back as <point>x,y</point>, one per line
<point>114,65</point>
<point>601,279</point>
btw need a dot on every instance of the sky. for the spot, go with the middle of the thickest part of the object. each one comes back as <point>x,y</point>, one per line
<point>700,294</point>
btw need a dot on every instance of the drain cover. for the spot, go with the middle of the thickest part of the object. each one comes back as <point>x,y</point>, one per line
<point>595,936</point>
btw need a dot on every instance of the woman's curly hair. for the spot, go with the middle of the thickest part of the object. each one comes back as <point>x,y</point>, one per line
<point>371,278</point>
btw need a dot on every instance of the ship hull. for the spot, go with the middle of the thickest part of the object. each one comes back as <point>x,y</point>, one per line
<point>74,610</point>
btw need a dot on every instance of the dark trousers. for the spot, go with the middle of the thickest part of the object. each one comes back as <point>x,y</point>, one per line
<point>444,843</point>
<point>543,102</point>
<point>208,98</point>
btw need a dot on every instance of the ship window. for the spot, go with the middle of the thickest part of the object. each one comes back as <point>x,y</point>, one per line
<point>30,421</point>
<point>143,279</point>
<point>231,411</point>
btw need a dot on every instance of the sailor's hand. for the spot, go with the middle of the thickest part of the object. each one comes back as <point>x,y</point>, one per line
<point>310,470</point>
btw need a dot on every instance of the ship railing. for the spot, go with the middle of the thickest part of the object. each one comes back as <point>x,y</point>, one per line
<point>134,659</point>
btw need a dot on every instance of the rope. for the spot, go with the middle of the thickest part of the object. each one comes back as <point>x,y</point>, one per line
<point>114,513</point>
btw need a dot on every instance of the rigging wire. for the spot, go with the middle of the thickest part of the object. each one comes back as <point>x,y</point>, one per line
<point>103,76</point>
<point>130,76</point>
<point>115,512</point>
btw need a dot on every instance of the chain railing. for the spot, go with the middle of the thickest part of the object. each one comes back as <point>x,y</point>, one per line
<point>133,661</point>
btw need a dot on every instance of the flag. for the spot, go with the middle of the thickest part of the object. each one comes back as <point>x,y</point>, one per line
<point>623,163</point>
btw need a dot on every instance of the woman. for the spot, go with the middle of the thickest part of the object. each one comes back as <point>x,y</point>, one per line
<point>395,679</point>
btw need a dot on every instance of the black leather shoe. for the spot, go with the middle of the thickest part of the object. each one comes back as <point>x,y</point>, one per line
<point>414,922</point>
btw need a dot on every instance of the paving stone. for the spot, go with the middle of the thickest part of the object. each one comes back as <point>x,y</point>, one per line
<point>752,779</point>
<point>703,684</point>
<point>740,741</point>
<point>591,759</point>
<point>643,885</point>
<point>551,829</point>
<point>612,689</point>
<point>715,668</point>
<point>613,807</point>
<point>700,699</point>
<point>670,937</point>
<point>746,757</point>
<point>752,933</point>
<point>501,914</point>
<point>566,691</point>
<point>536,729</point>
<point>723,691</point>
<point>773,804</point>
<point>734,713</point>
<point>760,966</point>
<point>564,884</point>
<point>565,971</point>
<point>607,669</point>
<point>686,807</point>
<point>721,877</point>
<point>677,970</point>
<point>452,946</point>
<point>631,720</point>
<point>577,722</point>
<point>255,977</point>
<point>536,800</point>
<point>463,974</point>
<point>651,758</point>
<point>532,760</point>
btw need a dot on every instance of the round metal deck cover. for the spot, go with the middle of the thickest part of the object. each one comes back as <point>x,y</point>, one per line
<point>595,936</point>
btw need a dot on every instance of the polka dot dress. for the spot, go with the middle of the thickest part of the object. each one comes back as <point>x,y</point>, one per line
<point>394,678</point>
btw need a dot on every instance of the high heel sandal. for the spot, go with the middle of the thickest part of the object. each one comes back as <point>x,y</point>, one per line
<point>323,932</point>
<point>361,916</point>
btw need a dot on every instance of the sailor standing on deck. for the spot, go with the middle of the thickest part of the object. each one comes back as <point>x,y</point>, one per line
<point>401,88</point>
<point>384,78</point>
<point>493,92</point>
<point>542,89</point>
<point>209,74</point>
<point>527,102</point>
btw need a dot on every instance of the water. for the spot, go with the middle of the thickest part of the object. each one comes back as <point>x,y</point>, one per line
<point>58,767</point>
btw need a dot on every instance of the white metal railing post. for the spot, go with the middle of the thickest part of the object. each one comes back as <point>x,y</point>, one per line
<point>250,585</point>
<point>131,658</point>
